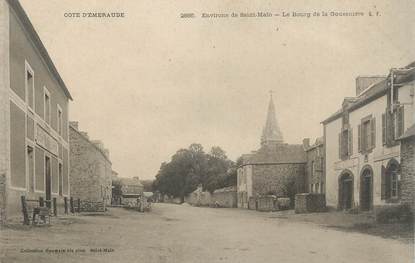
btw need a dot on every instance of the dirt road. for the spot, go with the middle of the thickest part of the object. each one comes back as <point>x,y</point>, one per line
<point>181,233</point>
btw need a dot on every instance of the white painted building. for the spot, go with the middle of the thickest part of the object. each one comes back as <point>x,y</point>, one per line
<point>362,153</point>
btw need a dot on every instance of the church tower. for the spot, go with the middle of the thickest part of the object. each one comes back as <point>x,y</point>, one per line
<point>271,134</point>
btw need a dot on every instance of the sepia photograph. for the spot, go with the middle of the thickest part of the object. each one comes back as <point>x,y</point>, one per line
<point>207,131</point>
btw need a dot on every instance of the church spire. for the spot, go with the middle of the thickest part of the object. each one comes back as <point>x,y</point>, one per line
<point>271,132</point>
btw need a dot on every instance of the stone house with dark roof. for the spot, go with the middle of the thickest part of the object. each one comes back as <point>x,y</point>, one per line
<point>274,169</point>
<point>90,168</point>
<point>314,179</point>
<point>408,167</point>
<point>362,150</point>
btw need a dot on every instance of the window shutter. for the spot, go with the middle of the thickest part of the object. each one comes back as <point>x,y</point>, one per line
<point>340,145</point>
<point>390,131</point>
<point>400,121</point>
<point>383,129</point>
<point>383,183</point>
<point>359,138</point>
<point>373,133</point>
<point>350,144</point>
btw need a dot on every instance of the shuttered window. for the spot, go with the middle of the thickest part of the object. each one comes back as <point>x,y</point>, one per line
<point>399,122</point>
<point>372,133</point>
<point>350,142</point>
<point>383,128</point>
<point>383,183</point>
<point>367,135</point>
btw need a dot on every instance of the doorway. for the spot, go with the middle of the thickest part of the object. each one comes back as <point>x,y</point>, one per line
<point>366,190</point>
<point>48,182</point>
<point>346,191</point>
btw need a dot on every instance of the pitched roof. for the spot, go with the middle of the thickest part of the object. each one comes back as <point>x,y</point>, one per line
<point>271,131</point>
<point>277,154</point>
<point>17,7</point>
<point>130,181</point>
<point>410,132</point>
<point>403,75</point>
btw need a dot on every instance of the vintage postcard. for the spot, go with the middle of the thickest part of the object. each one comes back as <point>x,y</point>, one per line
<point>207,131</point>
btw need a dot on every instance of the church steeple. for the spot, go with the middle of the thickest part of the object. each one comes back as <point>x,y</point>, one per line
<point>271,133</point>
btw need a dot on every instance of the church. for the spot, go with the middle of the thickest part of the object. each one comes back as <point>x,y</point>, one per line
<point>276,168</point>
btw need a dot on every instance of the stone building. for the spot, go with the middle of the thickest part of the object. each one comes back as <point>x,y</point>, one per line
<point>363,155</point>
<point>90,168</point>
<point>131,191</point>
<point>34,143</point>
<point>408,167</point>
<point>314,180</point>
<point>274,169</point>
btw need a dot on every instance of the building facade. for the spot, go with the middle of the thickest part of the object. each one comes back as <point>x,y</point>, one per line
<point>363,155</point>
<point>34,144</point>
<point>408,167</point>
<point>274,169</point>
<point>90,169</point>
<point>314,179</point>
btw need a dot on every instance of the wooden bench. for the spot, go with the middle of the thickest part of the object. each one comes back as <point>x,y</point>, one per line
<point>39,211</point>
<point>42,213</point>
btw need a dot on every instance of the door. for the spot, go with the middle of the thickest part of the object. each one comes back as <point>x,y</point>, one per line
<point>346,192</point>
<point>47,181</point>
<point>366,186</point>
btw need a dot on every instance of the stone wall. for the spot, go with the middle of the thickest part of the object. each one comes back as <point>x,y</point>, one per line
<point>276,179</point>
<point>90,169</point>
<point>90,206</point>
<point>308,202</point>
<point>314,181</point>
<point>224,197</point>
<point>408,171</point>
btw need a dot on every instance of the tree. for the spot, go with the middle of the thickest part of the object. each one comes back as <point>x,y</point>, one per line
<point>192,166</point>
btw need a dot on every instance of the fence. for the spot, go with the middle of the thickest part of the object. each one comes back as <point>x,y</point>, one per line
<point>29,206</point>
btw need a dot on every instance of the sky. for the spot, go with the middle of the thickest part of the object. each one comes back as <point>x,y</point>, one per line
<point>151,83</point>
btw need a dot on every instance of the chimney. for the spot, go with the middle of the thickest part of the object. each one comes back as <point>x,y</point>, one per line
<point>363,82</point>
<point>74,124</point>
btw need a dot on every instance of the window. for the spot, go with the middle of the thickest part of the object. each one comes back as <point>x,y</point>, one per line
<point>399,122</point>
<point>59,120</point>
<point>393,125</point>
<point>30,166</point>
<point>394,184</point>
<point>317,187</point>
<point>390,182</point>
<point>366,138</point>
<point>367,134</point>
<point>46,105</point>
<point>322,187</point>
<point>30,86</point>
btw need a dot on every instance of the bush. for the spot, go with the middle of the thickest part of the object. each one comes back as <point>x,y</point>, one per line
<point>393,213</point>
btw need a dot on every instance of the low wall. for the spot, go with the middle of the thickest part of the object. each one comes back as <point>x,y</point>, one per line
<point>310,202</point>
<point>267,203</point>
<point>225,197</point>
<point>92,206</point>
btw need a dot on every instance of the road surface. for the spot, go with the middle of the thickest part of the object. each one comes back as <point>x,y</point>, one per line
<point>181,233</point>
